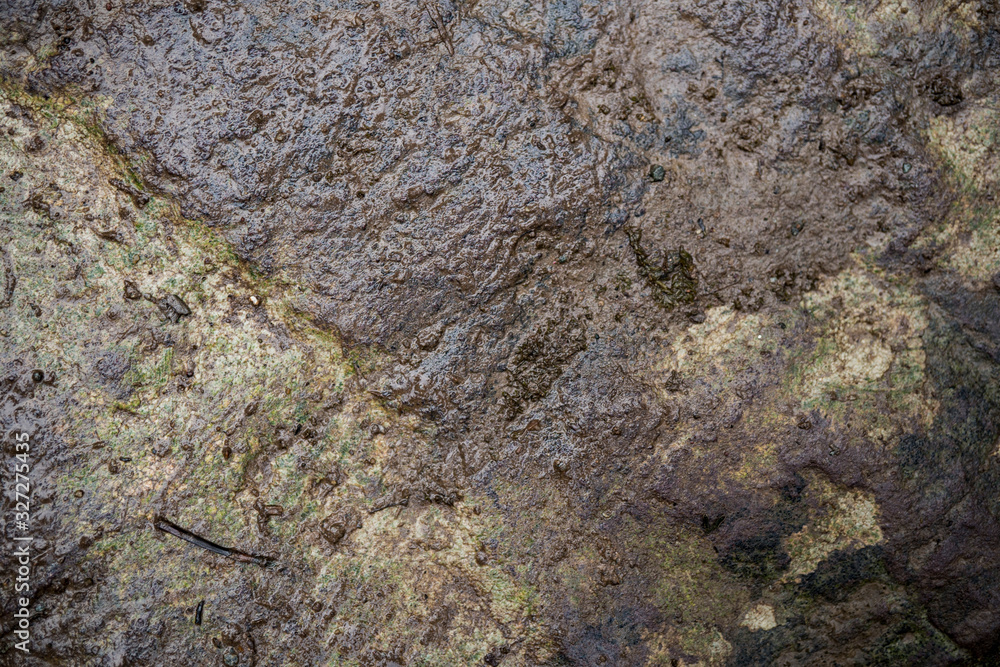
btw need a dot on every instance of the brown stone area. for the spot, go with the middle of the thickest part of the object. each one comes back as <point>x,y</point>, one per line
<point>650,332</point>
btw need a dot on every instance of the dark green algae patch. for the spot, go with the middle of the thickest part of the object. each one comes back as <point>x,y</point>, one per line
<point>673,281</point>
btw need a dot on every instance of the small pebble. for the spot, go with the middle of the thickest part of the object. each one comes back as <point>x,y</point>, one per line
<point>254,300</point>
<point>132,292</point>
<point>173,307</point>
<point>37,376</point>
<point>333,531</point>
<point>657,173</point>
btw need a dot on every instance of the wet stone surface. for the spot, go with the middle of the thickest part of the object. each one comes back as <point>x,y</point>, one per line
<point>576,333</point>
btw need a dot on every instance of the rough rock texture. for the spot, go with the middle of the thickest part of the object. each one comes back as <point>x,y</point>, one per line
<point>650,332</point>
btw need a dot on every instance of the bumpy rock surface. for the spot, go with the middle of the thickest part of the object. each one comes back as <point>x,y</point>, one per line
<point>648,332</point>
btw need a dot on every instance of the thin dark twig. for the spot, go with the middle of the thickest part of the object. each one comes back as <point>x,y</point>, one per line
<point>189,537</point>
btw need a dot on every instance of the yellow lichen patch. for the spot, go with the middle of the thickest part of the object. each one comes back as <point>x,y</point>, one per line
<point>697,592</point>
<point>975,256</point>
<point>708,644</point>
<point>843,518</point>
<point>858,363</point>
<point>759,617</point>
<point>968,239</point>
<point>966,144</point>
<point>710,358</point>
<point>870,345</point>
<point>859,28</point>
<point>758,463</point>
<point>724,333</point>
<point>865,27</point>
<point>431,574</point>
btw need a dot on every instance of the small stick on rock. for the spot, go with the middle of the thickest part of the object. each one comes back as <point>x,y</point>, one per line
<point>240,557</point>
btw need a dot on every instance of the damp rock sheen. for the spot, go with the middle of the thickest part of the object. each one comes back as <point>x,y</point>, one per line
<point>572,333</point>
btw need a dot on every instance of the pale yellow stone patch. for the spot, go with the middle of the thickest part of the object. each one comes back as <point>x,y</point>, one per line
<point>759,617</point>
<point>709,645</point>
<point>863,29</point>
<point>966,142</point>
<point>727,342</point>
<point>866,361</point>
<point>969,238</point>
<point>873,342</point>
<point>846,518</point>
<point>719,342</point>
